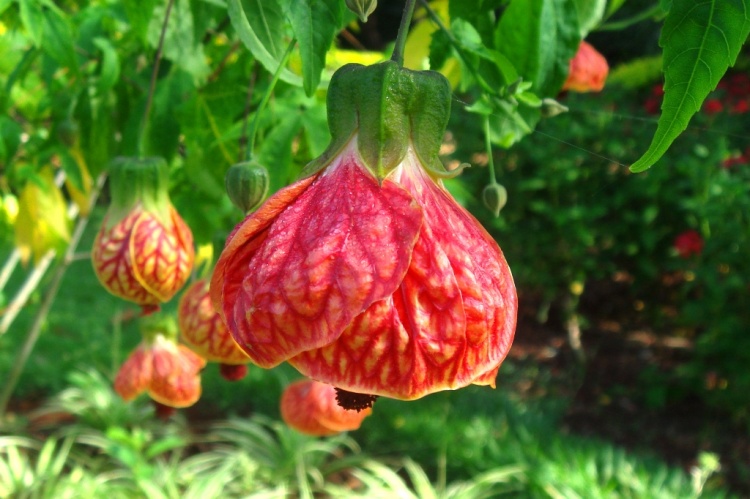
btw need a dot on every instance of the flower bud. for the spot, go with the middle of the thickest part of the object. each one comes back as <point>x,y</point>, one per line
<point>247,185</point>
<point>363,8</point>
<point>551,108</point>
<point>144,250</point>
<point>494,197</point>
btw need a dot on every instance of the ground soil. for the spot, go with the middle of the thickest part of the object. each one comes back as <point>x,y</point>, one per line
<point>612,396</point>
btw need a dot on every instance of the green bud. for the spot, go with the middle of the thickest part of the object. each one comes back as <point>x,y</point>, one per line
<point>551,108</point>
<point>247,185</point>
<point>494,197</point>
<point>67,132</point>
<point>362,8</point>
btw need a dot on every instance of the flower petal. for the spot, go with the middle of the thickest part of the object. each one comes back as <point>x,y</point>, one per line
<point>344,244</point>
<point>134,375</point>
<point>111,257</point>
<point>242,244</point>
<point>451,321</point>
<point>162,255</point>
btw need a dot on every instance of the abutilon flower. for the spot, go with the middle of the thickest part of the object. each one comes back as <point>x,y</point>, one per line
<point>144,250</point>
<point>167,371</point>
<point>204,332</point>
<point>310,407</point>
<point>366,274</point>
<point>588,70</point>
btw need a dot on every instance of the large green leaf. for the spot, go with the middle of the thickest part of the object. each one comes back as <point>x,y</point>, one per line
<point>32,18</point>
<point>315,23</point>
<point>260,26</point>
<point>539,37</point>
<point>58,39</point>
<point>275,152</point>
<point>180,44</point>
<point>701,39</point>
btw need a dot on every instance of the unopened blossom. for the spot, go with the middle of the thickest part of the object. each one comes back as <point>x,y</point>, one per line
<point>202,329</point>
<point>167,371</point>
<point>310,407</point>
<point>144,250</point>
<point>587,70</point>
<point>366,274</point>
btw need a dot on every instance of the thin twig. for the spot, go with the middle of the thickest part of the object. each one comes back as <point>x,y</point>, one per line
<point>154,74</point>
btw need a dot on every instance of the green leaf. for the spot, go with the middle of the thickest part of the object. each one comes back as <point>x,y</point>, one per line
<point>276,151</point>
<point>539,37</point>
<point>58,39</point>
<point>4,4</point>
<point>491,68</point>
<point>701,39</point>
<point>32,18</point>
<point>260,26</point>
<point>180,45</point>
<point>110,65</point>
<point>509,123</point>
<point>139,14</point>
<point>590,13</point>
<point>315,23</point>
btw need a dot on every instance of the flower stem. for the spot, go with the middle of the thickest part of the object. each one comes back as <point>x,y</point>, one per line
<point>488,146</point>
<point>266,97</point>
<point>152,84</point>
<point>403,30</point>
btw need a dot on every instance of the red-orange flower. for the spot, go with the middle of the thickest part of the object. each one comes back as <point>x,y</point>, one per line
<point>144,250</point>
<point>169,372</point>
<point>204,332</point>
<point>310,408</point>
<point>367,275</point>
<point>389,289</point>
<point>588,70</point>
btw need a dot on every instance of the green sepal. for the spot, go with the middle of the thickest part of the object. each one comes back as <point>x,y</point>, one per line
<point>138,180</point>
<point>155,325</point>
<point>388,107</point>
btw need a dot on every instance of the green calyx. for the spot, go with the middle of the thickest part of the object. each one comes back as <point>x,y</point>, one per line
<point>139,180</point>
<point>389,108</point>
<point>155,325</point>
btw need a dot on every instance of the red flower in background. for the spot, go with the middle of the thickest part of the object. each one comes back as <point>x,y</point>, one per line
<point>712,106</point>
<point>587,71</point>
<point>311,408</point>
<point>688,243</point>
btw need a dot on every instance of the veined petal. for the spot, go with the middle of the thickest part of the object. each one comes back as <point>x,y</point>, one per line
<point>113,262</point>
<point>343,244</point>
<point>483,276</point>
<point>134,375</point>
<point>242,244</point>
<point>451,320</point>
<point>162,255</point>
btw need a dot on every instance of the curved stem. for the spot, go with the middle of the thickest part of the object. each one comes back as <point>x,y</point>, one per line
<point>152,84</point>
<point>266,97</point>
<point>403,30</point>
<point>488,146</point>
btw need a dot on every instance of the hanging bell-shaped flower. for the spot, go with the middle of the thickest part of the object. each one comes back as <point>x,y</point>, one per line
<point>144,250</point>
